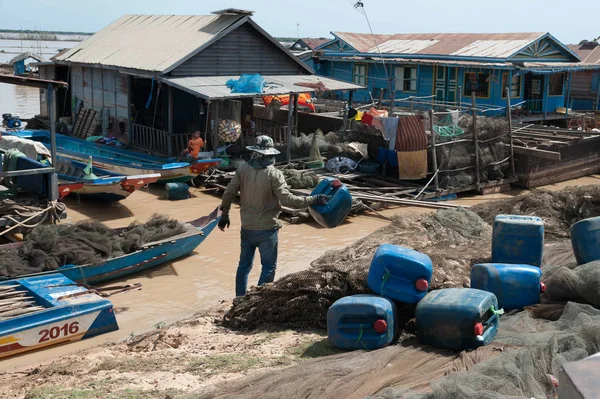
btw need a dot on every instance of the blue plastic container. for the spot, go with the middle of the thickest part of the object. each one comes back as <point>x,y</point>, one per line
<point>515,286</point>
<point>362,322</point>
<point>457,318</point>
<point>585,239</point>
<point>177,191</point>
<point>400,273</point>
<point>518,240</point>
<point>340,203</point>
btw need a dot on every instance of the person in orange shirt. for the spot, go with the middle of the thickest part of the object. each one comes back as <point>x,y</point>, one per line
<point>194,146</point>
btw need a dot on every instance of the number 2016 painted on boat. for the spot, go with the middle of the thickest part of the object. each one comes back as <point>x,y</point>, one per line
<point>55,332</point>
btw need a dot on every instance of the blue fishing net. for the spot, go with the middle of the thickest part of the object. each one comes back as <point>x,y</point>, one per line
<point>247,83</point>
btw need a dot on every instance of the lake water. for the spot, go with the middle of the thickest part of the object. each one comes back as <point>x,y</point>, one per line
<point>10,48</point>
<point>25,100</point>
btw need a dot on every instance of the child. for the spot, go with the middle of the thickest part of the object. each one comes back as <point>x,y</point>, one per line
<point>194,146</point>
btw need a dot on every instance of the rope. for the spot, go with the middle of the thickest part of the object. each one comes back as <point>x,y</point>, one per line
<point>51,210</point>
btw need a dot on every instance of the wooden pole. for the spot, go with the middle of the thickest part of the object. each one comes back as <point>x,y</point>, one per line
<point>434,151</point>
<point>50,100</point>
<point>215,130</point>
<point>475,138</point>
<point>296,115</point>
<point>510,133</point>
<point>597,107</point>
<point>567,99</point>
<point>170,111</point>
<point>290,127</point>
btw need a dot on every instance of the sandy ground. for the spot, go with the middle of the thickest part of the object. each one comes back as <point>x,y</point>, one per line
<point>164,363</point>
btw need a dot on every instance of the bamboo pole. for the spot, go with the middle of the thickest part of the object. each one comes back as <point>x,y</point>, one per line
<point>510,132</point>
<point>475,139</point>
<point>434,150</point>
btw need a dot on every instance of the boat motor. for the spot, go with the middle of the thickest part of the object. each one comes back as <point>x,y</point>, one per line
<point>11,121</point>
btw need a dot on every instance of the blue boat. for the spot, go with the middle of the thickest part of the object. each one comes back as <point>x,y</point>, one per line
<point>106,187</point>
<point>42,311</point>
<point>149,256</point>
<point>120,161</point>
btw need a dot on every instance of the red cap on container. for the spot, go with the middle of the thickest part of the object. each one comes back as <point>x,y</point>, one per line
<point>336,183</point>
<point>478,329</point>
<point>380,326</point>
<point>542,288</point>
<point>422,284</point>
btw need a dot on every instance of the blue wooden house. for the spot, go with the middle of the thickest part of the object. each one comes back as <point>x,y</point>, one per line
<point>451,67</point>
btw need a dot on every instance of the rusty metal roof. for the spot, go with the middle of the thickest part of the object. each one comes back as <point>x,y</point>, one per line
<point>313,43</point>
<point>149,42</point>
<point>587,53</point>
<point>485,45</point>
<point>215,87</point>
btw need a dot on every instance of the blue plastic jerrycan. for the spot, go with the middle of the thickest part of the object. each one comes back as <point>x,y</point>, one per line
<point>585,239</point>
<point>400,273</point>
<point>335,211</point>
<point>457,318</point>
<point>518,240</point>
<point>362,322</point>
<point>515,286</point>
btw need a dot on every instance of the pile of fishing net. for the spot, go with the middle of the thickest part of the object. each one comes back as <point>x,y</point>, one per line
<point>559,209</point>
<point>336,144</point>
<point>300,179</point>
<point>48,247</point>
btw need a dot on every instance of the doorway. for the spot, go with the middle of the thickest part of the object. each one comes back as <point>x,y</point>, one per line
<point>534,92</point>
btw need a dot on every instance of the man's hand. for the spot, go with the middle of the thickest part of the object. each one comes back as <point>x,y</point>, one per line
<point>224,222</point>
<point>321,199</point>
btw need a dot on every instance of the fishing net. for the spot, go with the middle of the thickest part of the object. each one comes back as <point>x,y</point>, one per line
<point>456,155</point>
<point>48,247</point>
<point>297,179</point>
<point>559,209</point>
<point>523,361</point>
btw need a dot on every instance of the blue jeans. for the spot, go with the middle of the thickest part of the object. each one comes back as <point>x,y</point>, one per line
<point>266,241</point>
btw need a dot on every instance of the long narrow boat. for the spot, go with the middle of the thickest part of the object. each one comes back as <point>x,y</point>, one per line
<point>43,311</point>
<point>150,255</point>
<point>108,187</point>
<point>121,161</point>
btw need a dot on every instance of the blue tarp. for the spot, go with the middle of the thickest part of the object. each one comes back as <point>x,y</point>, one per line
<point>247,83</point>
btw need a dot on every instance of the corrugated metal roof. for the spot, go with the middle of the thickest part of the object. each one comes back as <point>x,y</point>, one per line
<point>561,66</point>
<point>588,55</point>
<point>313,43</point>
<point>488,45</point>
<point>215,88</point>
<point>424,61</point>
<point>149,42</point>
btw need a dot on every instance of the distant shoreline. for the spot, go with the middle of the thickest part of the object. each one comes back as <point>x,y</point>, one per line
<point>12,34</point>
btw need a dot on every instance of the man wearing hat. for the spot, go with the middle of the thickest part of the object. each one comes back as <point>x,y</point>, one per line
<point>263,190</point>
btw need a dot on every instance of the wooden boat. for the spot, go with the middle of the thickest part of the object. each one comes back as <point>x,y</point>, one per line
<point>108,187</point>
<point>120,161</point>
<point>150,255</point>
<point>42,311</point>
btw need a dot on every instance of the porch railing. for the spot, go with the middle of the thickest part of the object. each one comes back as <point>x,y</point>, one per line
<point>534,105</point>
<point>150,139</point>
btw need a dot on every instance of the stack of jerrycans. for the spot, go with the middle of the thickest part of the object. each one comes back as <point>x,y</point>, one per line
<point>370,321</point>
<point>514,275</point>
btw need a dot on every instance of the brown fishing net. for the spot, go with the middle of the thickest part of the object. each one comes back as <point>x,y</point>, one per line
<point>49,247</point>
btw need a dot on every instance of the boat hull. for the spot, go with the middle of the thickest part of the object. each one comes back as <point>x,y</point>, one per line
<point>121,161</point>
<point>70,313</point>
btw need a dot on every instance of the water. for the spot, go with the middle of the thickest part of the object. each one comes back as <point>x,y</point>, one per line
<point>20,99</point>
<point>10,48</point>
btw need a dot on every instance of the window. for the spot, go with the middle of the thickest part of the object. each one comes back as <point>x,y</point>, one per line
<point>477,82</point>
<point>515,86</point>
<point>406,78</point>
<point>556,83</point>
<point>359,76</point>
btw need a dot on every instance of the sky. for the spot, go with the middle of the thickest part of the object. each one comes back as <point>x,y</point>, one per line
<point>570,21</point>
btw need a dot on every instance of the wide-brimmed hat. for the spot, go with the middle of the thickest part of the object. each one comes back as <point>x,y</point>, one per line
<point>264,145</point>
